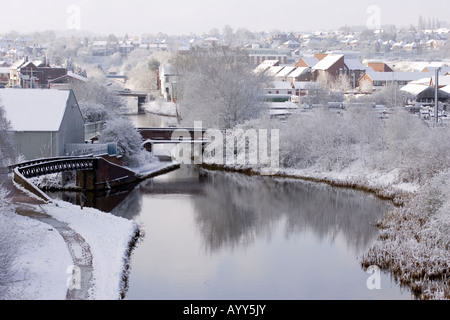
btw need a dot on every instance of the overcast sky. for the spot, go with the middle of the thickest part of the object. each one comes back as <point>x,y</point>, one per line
<point>136,17</point>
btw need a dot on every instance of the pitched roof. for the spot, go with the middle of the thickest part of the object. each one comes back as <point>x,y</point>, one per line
<point>285,71</point>
<point>354,64</point>
<point>397,76</point>
<point>310,61</point>
<point>34,109</point>
<point>328,61</point>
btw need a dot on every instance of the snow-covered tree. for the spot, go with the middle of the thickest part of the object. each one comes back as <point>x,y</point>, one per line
<point>123,132</point>
<point>218,86</point>
<point>7,146</point>
<point>8,243</point>
<point>96,102</point>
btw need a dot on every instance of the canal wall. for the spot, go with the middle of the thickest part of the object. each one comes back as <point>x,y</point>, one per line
<point>24,182</point>
<point>105,175</point>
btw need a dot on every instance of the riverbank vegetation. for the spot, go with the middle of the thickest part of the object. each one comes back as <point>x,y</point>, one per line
<point>396,155</point>
<point>402,158</point>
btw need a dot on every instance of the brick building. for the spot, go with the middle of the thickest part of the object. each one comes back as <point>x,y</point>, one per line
<point>27,74</point>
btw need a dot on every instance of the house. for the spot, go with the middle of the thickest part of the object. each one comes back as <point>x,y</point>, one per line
<point>300,74</point>
<point>66,81</point>
<point>14,74</point>
<point>266,65</point>
<point>43,122</point>
<point>424,93</point>
<point>259,55</point>
<point>307,62</point>
<point>284,73</point>
<point>354,70</point>
<point>4,77</point>
<point>330,65</point>
<point>100,48</point>
<point>444,70</point>
<point>279,91</point>
<point>27,74</point>
<point>379,67</point>
<point>167,82</point>
<point>376,80</point>
<point>274,70</point>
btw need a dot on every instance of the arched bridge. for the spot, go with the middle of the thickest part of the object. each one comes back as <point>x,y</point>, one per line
<point>41,167</point>
<point>92,173</point>
<point>151,136</point>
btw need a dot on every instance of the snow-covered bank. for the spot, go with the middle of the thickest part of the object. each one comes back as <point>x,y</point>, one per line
<point>161,108</point>
<point>414,239</point>
<point>43,263</point>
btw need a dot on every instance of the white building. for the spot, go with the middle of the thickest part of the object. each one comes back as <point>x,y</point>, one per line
<point>43,121</point>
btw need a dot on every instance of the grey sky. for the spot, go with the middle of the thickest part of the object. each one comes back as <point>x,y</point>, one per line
<point>197,16</point>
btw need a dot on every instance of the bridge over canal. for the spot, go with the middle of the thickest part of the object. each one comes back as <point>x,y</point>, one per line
<point>100,172</point>
<point>171,135</point>
<point>92,173</point>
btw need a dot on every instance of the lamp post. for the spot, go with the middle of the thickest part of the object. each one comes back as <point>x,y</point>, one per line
<point>395,85</point>
<point>436,98</point>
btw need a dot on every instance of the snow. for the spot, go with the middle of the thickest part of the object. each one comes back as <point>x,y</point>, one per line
<point>35,110</point>
<point>327,62</point>
<point>43,258</point>
<point>108,243</point>
<point>161,108</point>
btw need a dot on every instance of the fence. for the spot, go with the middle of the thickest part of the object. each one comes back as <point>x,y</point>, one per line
<point>90,148</point>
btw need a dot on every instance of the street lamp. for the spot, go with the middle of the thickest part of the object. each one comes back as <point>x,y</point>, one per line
<point>394,82</point>
<point>436,98</point>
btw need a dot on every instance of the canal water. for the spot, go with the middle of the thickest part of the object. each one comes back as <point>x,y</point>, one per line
<point>216,235</point>
<point>213,235</point>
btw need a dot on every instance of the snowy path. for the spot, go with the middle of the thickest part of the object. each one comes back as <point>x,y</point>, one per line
<point>78,249</point>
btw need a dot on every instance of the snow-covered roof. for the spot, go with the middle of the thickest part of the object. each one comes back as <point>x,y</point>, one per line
<point>298,71</point>
<point>354,64</point>
<point>72,75</point>
<point>328,61</point>
<point>17,64</point>
<point>274,70</point>
<point>282,85</point>
<point>34,109</point>
<point>310,61</point>
<point>285,71</point>
<point>414,88</point>
<point>397,76</point>
<point>446,89</point>
<point>443,80</point>
<point>266,64</point>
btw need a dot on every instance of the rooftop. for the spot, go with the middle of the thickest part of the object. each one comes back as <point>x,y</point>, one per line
<point>34,109</point>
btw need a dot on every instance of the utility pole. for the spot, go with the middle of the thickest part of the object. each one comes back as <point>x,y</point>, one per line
<point>436,100</point>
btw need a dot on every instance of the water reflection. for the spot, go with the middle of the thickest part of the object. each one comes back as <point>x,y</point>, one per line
<point>236,208</point>
<point>221,235</point>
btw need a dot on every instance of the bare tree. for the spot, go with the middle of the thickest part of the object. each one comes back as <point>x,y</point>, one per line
<point>218,87</point>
